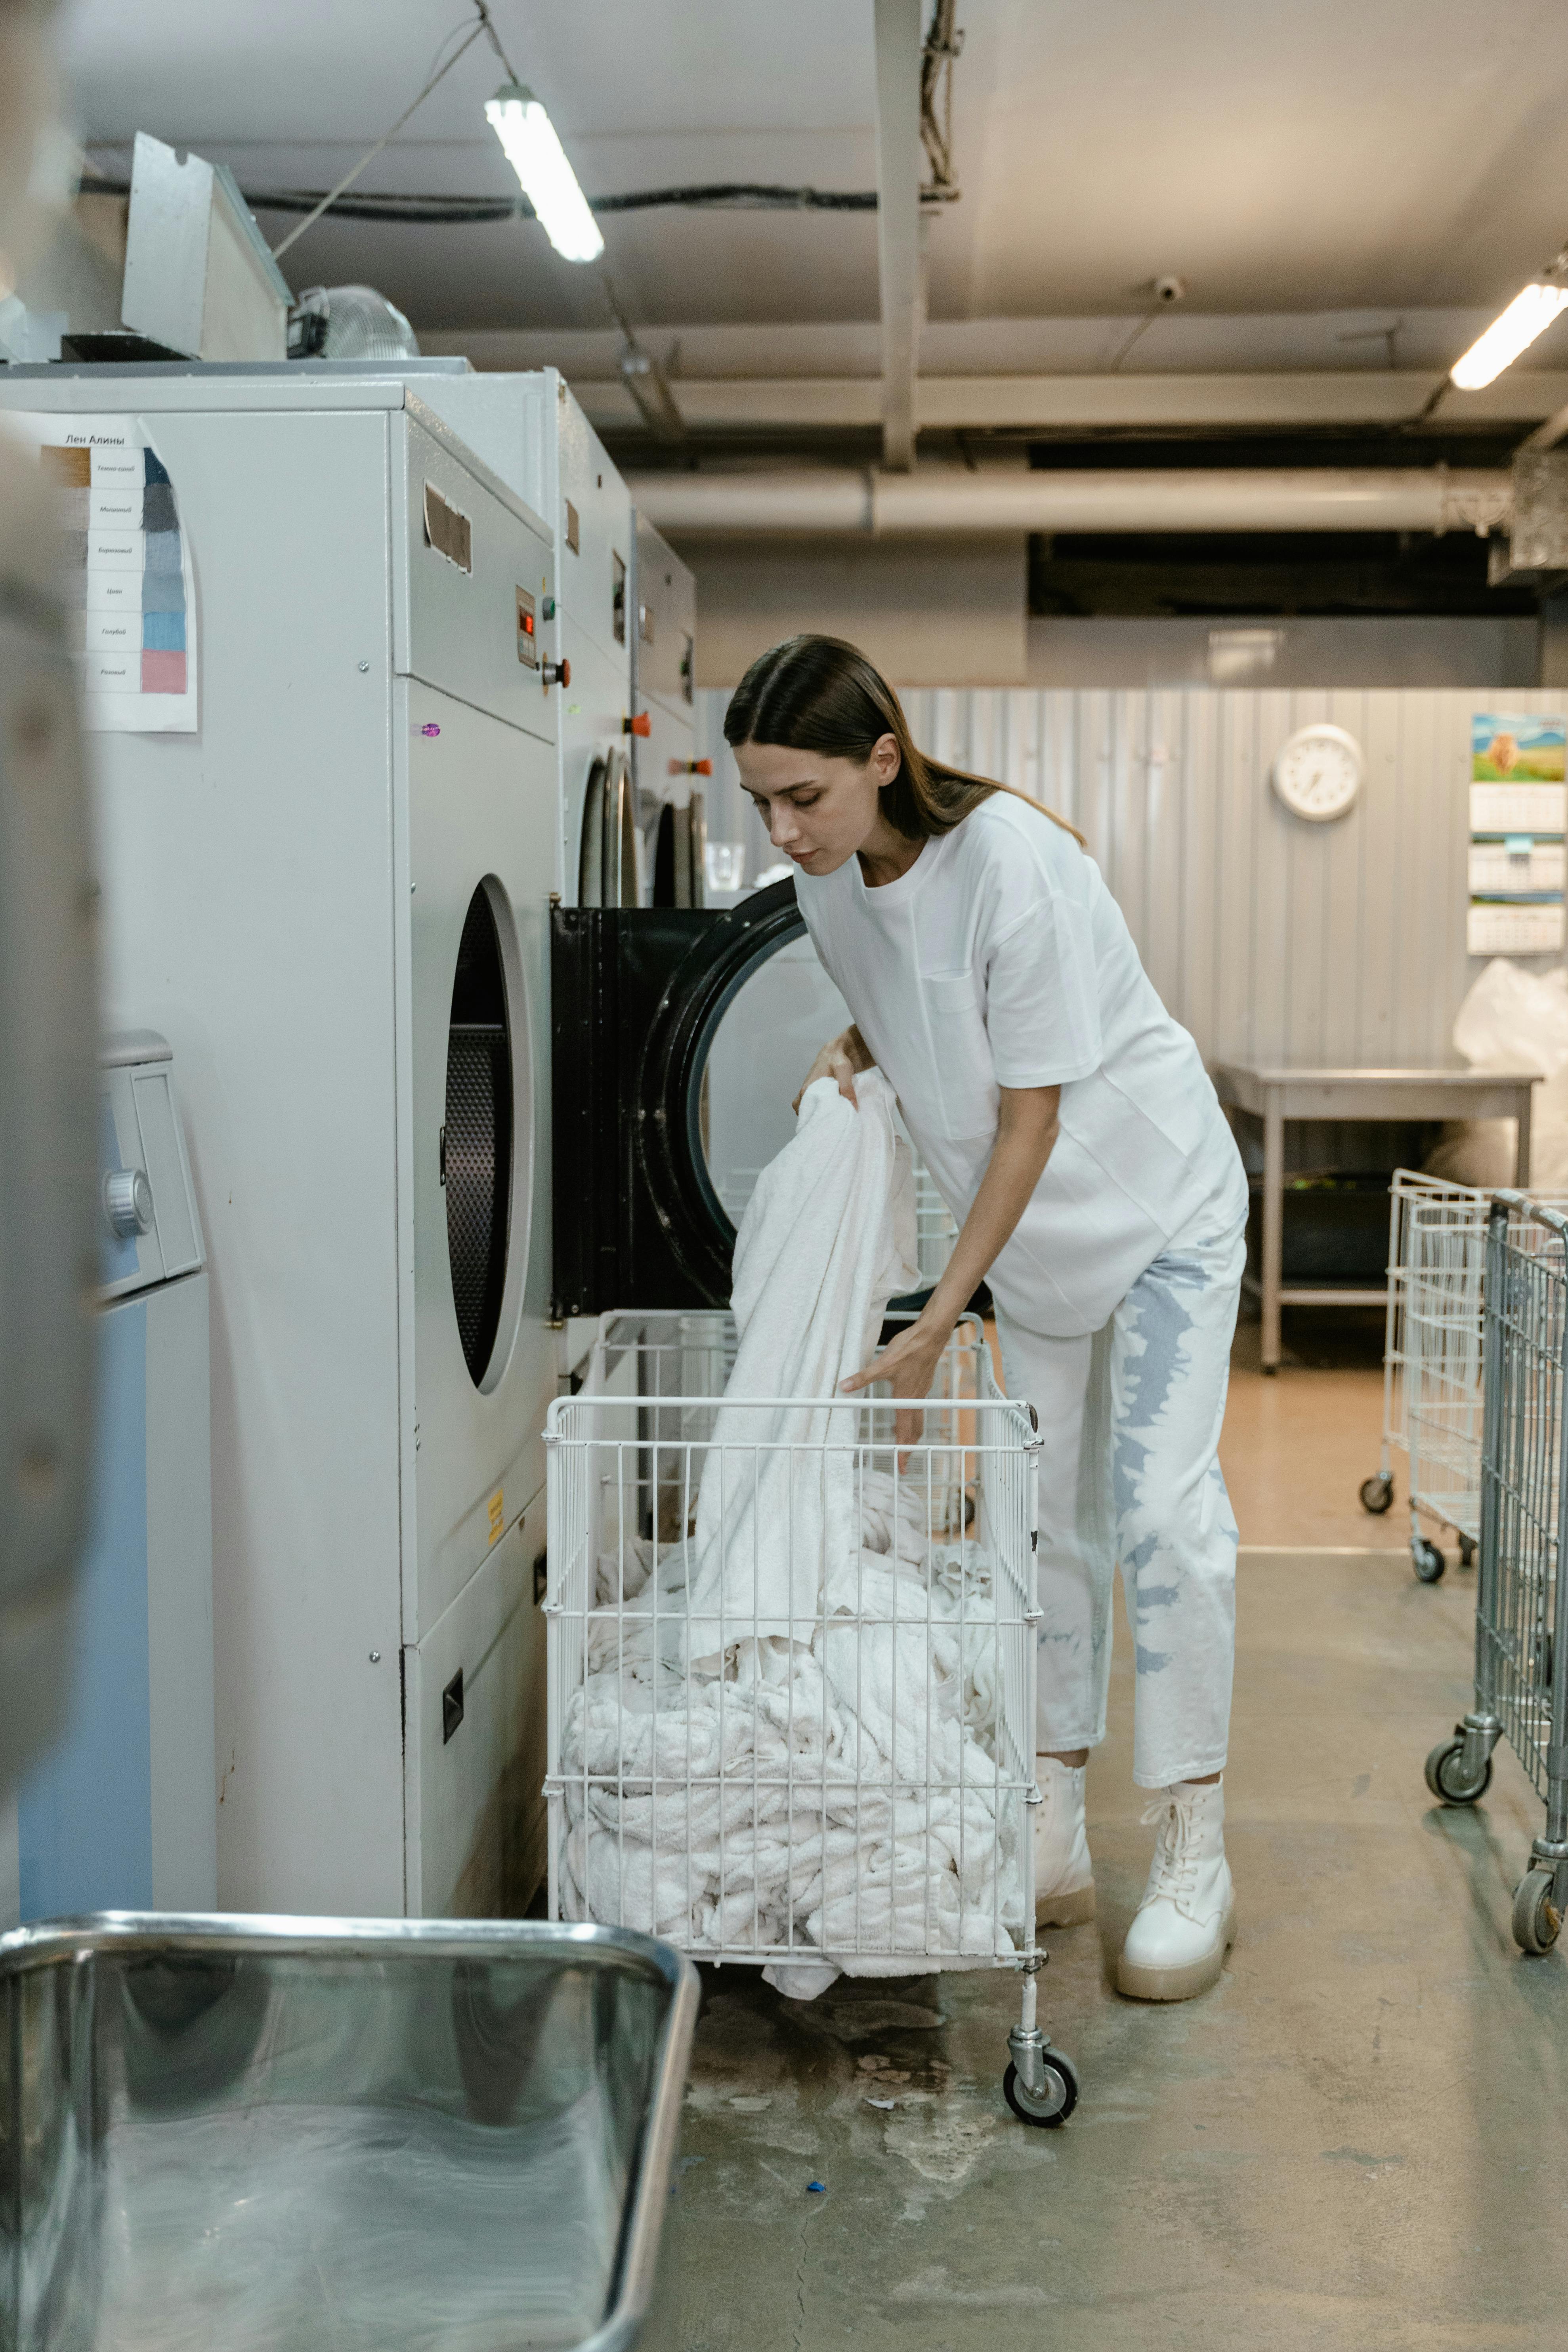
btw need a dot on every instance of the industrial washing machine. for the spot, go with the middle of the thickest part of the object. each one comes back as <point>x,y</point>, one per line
<point>664,1109</point>
<point>681,1036</point>
<point>530,430</point>
<point>328,843</point>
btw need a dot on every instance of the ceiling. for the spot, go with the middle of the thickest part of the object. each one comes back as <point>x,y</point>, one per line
<point>1405,160</point>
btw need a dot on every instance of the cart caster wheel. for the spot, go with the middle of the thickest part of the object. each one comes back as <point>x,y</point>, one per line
<point>1052,2105</point>
<point>1427,1560</point>
<point>1376,1493</point>
<point>1536,1918</point>
<point>1446,1775</point>
<point>1467,1551</point>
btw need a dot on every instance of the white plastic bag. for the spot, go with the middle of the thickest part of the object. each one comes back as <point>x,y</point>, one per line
<point>1512,1019</point>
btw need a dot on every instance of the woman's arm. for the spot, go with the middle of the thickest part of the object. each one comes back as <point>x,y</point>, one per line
<point>839,1059</point>
<point>1026,1133</point>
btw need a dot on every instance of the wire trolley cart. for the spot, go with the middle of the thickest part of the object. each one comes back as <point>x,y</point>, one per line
<point>1432,1365</point>
<point>792,1673</point>
<point>1521,1631</point>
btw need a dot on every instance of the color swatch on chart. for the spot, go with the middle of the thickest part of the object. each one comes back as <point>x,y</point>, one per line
<point>124,566</point>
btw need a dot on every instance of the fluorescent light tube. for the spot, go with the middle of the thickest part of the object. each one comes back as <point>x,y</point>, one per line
<point>1529,313</point>
<point>537,156</point>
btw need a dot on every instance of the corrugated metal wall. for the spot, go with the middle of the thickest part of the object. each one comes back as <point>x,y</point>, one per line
<point>1271,939</point>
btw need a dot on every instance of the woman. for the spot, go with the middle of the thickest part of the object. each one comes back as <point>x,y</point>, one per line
<point>1070,1123</point>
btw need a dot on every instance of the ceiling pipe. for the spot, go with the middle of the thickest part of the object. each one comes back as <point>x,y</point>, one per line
<point>838,499</point>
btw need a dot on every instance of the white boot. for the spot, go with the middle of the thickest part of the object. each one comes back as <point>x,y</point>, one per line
<point>1063,1874</point>
<point>1187,1922</point>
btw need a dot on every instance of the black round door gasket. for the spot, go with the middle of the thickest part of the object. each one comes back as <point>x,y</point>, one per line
<point>667,1139</point>
<point>476,1136</point>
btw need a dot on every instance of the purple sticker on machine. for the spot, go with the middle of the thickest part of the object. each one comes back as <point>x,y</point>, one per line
<point>429,728</point>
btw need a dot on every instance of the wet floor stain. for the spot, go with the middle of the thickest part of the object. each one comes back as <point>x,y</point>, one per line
<point>1274,2164</point>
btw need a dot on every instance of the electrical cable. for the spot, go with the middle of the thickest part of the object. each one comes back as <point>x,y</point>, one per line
<point>942,45</point>
<point>717,196</point>
<point>1145,321</point>
<point>488,22</point>
<point>482,24</point>
<point>462,210</point>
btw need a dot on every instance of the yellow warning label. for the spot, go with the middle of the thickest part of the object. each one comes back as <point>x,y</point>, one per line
<point>497,1513</point>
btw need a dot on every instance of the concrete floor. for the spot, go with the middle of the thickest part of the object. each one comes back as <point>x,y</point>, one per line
<point>1358,2139</point>
<point>1297,1447</point>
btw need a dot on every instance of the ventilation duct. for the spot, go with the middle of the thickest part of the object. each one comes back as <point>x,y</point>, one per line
<point>828,500</point>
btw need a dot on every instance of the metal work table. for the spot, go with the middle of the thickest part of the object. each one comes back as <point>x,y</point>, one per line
<point>1275,1095</point>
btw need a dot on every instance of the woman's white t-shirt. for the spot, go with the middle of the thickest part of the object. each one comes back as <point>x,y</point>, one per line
<point>1001,959</point>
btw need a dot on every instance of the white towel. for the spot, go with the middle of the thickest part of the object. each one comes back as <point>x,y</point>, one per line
<point>816,1800</point>
<point>827,1239</point>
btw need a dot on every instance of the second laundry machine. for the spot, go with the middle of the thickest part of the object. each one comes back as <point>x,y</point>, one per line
<point>532,432</point>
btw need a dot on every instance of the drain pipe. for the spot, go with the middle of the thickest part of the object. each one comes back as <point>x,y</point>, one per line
<point>832,500</point>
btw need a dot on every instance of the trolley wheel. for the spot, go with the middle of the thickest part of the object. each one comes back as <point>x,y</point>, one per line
<point>1051,2106</point>
<point>1536,1918</point>
<point>1427,1559</point>
<point>1445,1774</point>
<point>1467,1551</point>
<point>1377,1494</point>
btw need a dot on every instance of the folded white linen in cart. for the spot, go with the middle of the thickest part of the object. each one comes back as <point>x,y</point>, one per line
<point>785,1737</point>
<point>827,1239</point>
<point>834,1802</point>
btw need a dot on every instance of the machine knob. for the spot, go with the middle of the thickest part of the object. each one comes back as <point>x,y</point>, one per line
<point>557,673</point>
<point>691,767</point>
<point>128,1202</point>
<point>641,724</point>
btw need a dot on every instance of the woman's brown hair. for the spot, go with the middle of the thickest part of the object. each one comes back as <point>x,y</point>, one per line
<point>821,694</point>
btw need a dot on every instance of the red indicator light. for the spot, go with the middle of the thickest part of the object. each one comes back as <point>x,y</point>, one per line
<point>528,624</point>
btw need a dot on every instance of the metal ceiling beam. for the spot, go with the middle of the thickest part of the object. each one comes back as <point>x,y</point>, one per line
<point>1151,404</point>
<point>899,162</point>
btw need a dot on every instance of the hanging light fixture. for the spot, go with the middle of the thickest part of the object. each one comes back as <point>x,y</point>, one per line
<point>1529,313</point>
<point>537,156</point>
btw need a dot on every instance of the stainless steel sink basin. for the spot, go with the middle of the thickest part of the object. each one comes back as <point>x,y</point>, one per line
<point>252,2135</point>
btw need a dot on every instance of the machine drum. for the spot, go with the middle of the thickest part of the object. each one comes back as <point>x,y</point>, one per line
<point>477,1144</point>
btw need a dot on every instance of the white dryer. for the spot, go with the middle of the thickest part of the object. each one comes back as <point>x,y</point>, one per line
<point>530,430</point>
<point>331,896</point>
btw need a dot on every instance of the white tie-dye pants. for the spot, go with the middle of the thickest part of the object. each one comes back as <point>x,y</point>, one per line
<point>1130,1420</point>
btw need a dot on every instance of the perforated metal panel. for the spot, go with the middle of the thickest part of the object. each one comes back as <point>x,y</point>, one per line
<point>478,1140</point>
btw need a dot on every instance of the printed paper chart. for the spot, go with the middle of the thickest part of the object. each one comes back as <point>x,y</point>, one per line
<point>128,580</point>
<point>1519,815</point>
<point>1497,928</point>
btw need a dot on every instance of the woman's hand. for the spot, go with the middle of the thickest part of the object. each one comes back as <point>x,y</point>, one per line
<point>908,1364</point>
<point>840,1060</point>
<point>1025,1136</point>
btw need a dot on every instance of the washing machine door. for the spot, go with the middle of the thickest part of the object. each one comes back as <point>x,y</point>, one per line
<point>679,1038</point>
<point>476,1136</point>
<point>609,863</point>
<point>679,857</point>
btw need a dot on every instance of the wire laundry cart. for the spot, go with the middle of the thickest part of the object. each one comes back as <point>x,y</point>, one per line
<point>791,1676</point>
<point>1522,1634</point>
<point>1432,1365</point>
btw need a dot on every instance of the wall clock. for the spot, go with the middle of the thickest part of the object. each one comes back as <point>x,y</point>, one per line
<point>1317,772</point>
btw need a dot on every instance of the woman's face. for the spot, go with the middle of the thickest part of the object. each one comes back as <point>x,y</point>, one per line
<point>819,810</point>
